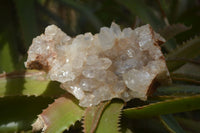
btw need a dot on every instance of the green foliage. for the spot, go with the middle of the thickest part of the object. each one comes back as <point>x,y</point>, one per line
<point>92,116</point>
<point>18,112</point>
<point>109,121</point>
<point>189,49</point>
<point>165,107</point>
<point>60,115</point>
<point>26,94</point>
<point>6,63</point>
<point>171,31</point>
<point>177,90</point>
<point>22,83</point>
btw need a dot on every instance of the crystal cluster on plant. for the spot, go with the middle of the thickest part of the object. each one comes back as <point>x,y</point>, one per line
<point>114,63</point>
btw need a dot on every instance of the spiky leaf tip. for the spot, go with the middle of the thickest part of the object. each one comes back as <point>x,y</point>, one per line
<point>59,116</point>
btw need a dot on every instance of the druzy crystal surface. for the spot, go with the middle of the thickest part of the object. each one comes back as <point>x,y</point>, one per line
<point>114,63</point>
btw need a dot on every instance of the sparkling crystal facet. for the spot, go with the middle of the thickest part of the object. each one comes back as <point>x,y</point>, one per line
<point>113,63</point>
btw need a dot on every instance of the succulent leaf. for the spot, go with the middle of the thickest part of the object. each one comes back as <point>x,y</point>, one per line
<point>171,31</point>
<point>60,115</point>
<point>18,112</point>
<point>109,122</point>
<point>177,90</point>
<point>6,64</point>
<point>28,83</point>
<point>9,54</point>
<point>165,107</point>
<point>189,49</point>
<point>92,116</point>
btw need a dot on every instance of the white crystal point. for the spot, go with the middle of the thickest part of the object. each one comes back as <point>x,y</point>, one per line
<point>135,79</point>
<point>116,30</point>
<point>51,30</point>
<point>106,38</point>
<point>112,64</point>
<point>127,32</point>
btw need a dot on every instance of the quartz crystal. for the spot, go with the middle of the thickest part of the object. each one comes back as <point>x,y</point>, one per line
<point>114,63</point>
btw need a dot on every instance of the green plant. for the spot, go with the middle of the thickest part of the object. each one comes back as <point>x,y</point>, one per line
<point>24,94</point>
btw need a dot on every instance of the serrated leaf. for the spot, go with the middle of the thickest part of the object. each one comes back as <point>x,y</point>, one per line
<point>28,83</point>
<point>165,107</point>
<point>109,122</point>
<point>60,115</point>
<point>140,9</point>
<point>92,116</point>
<point>189,49</point>
<point>171,124</point>
<point>171,31</point>
<point>17,113</point>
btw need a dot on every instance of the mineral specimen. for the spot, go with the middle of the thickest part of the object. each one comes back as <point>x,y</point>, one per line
<point>112,64</point>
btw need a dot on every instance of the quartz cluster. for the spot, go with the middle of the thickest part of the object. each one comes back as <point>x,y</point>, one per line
<point>114,63</point>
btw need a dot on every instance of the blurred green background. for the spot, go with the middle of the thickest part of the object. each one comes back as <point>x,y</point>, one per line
<point>22,20</point>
